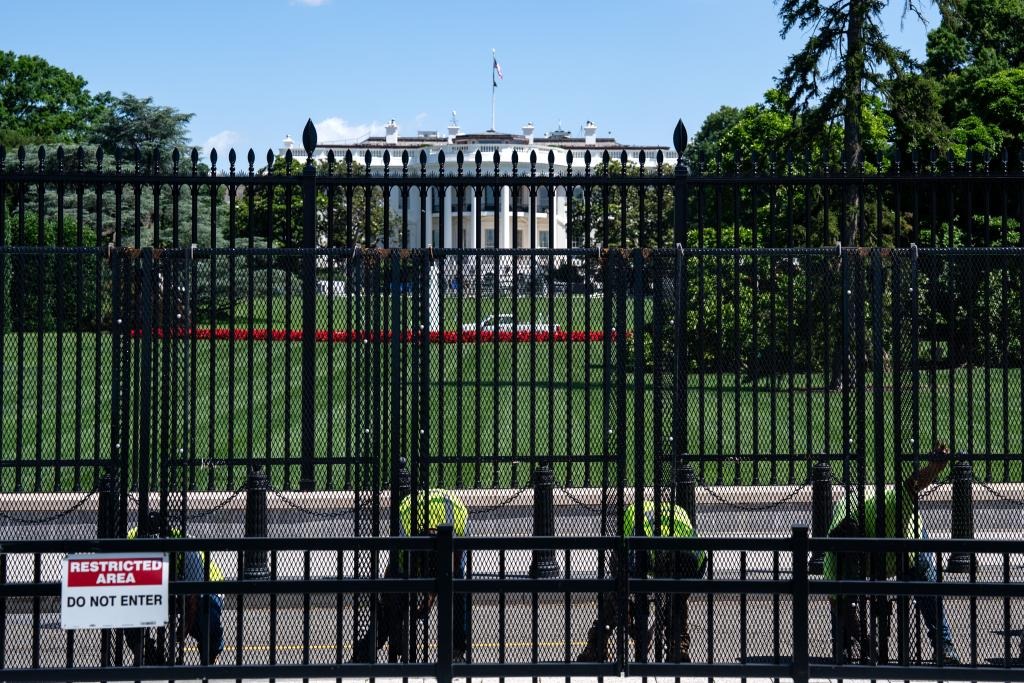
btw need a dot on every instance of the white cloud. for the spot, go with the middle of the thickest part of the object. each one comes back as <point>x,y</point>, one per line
<point>309,3</point>
<point>337,129</point>
<point>222,142</point>
<point>420,118</point>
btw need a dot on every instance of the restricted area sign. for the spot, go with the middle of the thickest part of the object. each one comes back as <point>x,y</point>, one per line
<point>123,590</point>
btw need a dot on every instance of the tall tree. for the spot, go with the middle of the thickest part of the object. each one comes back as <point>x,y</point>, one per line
<point>847,58</point>
<point>40,102</point>
<point>129,121</point>
<point>708,140</point>
<point>976,61</point>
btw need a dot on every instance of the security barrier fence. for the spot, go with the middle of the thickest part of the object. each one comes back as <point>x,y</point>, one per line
<point>289,352</point>
<point>755,612</point>
<point>747,367</point>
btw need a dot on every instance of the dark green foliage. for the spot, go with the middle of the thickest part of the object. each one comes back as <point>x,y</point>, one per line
<point>567,272</point>
<point>129,122</point>
<point>974,63</point>
<point>629,228</point>
<point>54,291</point>
<point>275,215</point>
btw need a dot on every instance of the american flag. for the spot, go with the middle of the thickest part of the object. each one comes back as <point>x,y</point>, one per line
<point>497,68</point>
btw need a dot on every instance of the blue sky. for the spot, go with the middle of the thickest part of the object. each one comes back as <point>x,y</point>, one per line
<point>252,71</point>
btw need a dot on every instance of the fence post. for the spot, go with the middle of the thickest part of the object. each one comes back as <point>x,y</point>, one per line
<point>622,597</point>
<point>801,600</point>
<point>821,509</point>
<point>544,564</point>
<point>444,555</point>
<point>255,565</point>
<point>306,478</point>
<point>962,478</point>
<point>106,513</point>
<point>145,441</point>
<point>106,505</point>
<point>397,384</point>
<point>681,187</point>
<point>686,489</point>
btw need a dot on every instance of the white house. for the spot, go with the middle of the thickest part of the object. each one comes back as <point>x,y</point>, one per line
<point>497,228</point>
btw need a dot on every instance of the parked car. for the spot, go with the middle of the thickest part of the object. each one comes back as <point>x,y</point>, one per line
<point>506,323</point>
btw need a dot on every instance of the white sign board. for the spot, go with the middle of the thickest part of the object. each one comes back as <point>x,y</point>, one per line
<point>119,590</point>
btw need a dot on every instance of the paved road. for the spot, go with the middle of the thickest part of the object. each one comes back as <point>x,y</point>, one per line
<point>561,633</point>
<point>992,519</point>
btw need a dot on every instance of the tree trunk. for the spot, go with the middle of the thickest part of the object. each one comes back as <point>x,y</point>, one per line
<point>853,97</point>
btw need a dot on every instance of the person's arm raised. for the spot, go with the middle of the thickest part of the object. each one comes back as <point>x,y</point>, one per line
<point>922,478</point>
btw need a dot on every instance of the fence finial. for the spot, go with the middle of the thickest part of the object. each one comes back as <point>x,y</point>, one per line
<point>679,138</point>
<point>309,140</point>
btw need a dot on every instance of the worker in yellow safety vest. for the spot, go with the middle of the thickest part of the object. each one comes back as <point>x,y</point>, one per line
<point>671,610</point>
<point>900,519</point>
<point>201,613</point>
<point>433,509</point>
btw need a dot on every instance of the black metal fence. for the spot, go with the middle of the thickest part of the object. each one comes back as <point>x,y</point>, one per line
<point>287,352</point>
<point>748,366</point>
<point>757,612</point>
<point>181,327</point>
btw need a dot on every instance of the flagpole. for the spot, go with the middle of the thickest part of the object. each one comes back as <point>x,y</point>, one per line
<point>494,86</point>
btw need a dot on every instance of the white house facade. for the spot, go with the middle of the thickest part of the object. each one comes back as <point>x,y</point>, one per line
<point>504,220</point>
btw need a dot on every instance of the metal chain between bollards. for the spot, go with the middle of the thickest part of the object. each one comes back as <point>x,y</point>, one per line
<point>1006,499</point>
<point>190,516</point>
<point>753,508</point>
<point>504,503</point>
<point>219,506</point>
<point>586,506</point>
<point>299,508</point>
<point>54,517</point>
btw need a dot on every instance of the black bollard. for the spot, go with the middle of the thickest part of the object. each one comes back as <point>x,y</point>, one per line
<point>255,565</point>
<point>686,491</point>
<point>821,511</point>
<point>544,564</point>
<point>963,512</point>
<point>106,505</point>
<point>404,480</point>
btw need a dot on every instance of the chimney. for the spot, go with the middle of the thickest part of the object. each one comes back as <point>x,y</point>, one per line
<point>391,132</point>
<point>590,133</point>
<point>453,130</point>
<point>528,132</point>
<point>288,142</point>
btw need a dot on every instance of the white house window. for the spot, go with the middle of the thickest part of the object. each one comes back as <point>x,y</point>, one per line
<point>543,201</point>
<point>490,199</point>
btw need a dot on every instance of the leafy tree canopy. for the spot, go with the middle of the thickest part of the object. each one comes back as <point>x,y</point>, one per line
<point>129,121</point>
<point>274,213</point>
<point>40,102</point>
<point>975,60</point>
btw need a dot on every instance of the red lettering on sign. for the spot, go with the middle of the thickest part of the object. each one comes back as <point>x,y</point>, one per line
<point>121,572</point>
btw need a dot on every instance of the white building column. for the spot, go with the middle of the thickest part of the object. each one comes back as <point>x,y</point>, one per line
<point>430,218</point>
<point>446,213</point>
<point>471,223</point>
<point>505,224</point>
<point>394,201</point>
<point>557,224</point>
<point>413,212</point>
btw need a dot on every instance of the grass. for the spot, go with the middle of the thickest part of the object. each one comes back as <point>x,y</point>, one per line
<point>486,419</point>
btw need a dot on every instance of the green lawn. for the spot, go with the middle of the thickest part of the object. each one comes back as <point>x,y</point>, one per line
<point>487,431</point>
